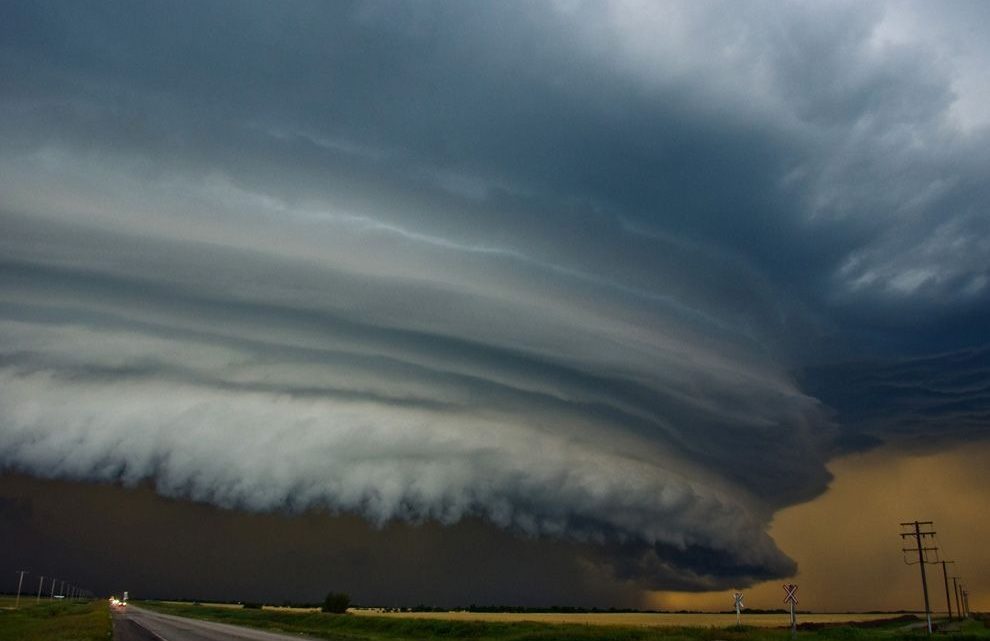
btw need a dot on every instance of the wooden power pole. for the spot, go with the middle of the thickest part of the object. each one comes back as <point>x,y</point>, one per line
<point>919,533</point>
<point>945,577</point>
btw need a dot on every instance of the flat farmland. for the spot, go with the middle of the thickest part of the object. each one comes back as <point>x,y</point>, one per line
<point>371,624</point>
<point>639,619</point>
<point>54,620</point>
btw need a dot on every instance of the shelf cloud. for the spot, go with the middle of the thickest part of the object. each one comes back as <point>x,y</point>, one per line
<point>591,272</point>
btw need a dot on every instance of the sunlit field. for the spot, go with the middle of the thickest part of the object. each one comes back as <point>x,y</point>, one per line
<point>210,604</point>
<point>647,619</point>
<point>374,625</point>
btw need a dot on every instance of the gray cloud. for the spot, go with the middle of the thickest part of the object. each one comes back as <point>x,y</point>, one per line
<point>585,271</point>
<point>919,400</point>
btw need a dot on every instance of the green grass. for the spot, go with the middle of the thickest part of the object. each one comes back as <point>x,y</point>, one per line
<point>55,621</point>
<point>368,628</point>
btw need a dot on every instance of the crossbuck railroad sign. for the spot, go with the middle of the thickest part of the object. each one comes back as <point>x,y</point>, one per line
<point>738,596</point>
<point>791,593</point>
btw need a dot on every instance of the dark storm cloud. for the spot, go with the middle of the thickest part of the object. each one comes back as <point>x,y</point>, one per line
<point>231,554</point>
<point>923,399</point>
<point>550,265</point>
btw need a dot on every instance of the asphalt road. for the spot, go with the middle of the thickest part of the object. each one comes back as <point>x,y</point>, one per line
<point>135,624</point>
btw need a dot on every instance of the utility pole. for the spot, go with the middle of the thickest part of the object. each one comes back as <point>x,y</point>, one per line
<point>17,602</point>
<point>955,588</point>
<point>920,548</point>
<point>41,579</point>
<point>945,577</point>
<point>52,595</point>
<point>966,601</point>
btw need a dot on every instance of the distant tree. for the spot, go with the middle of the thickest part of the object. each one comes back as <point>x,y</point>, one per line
<point>336,602</point>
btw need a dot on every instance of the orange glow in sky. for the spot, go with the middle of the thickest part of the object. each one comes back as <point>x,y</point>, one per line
<point>846,541</point>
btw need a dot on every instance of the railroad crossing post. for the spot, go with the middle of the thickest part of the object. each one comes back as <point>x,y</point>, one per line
<point>790,591</point>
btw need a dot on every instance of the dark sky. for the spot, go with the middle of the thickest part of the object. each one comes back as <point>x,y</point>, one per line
<point>123,538</point>
<point>603,284</point>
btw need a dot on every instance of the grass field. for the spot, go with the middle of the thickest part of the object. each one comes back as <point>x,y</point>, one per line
<point>395,628</point>
<point>54,621</point>
<point>640,619</point>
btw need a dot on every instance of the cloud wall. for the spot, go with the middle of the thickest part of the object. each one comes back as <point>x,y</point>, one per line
<point>593,272</point>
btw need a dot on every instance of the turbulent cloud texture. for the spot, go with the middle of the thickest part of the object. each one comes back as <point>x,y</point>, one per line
<point>588,271</point>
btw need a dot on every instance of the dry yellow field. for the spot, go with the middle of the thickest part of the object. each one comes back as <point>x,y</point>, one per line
<point>208,604</point>
<point>648,619</point>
